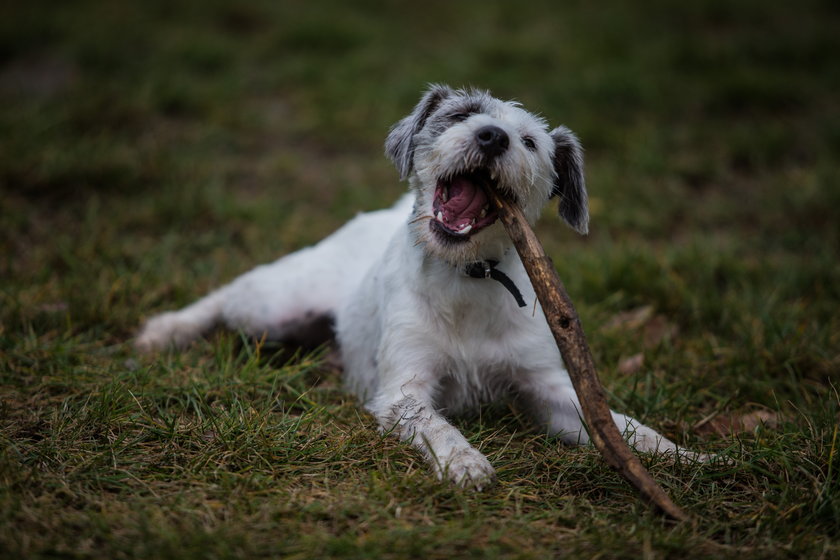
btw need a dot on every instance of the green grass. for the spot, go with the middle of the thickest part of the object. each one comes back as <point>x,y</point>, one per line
<point>151,151</point>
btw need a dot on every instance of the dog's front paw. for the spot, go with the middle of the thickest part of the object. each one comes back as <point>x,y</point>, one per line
<point>468,468</point>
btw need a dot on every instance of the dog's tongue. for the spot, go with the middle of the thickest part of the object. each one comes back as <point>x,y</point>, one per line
<point>466,200</point>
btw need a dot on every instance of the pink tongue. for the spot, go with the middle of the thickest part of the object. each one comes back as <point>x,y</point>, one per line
<point>465,200</point>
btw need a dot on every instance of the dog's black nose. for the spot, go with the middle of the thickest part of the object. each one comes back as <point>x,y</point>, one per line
<point>492,140</point>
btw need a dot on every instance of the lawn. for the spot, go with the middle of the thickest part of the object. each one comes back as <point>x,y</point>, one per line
<point>151,151</point>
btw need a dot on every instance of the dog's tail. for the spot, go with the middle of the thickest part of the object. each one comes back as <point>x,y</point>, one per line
<point>292,300</point>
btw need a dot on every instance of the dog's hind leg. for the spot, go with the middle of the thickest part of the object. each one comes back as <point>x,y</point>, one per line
<point>292,297</point>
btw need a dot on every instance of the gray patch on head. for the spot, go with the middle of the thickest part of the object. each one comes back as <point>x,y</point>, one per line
<point>439,109</point>
<point>456,109</point>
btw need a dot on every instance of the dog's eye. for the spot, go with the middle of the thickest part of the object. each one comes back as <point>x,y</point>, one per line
<point>459,117</point>
<point>529,143</point>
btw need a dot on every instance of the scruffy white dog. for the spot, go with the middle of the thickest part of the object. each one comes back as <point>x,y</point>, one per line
<point>428,297</point>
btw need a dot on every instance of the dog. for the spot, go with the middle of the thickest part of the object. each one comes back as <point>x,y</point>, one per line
<point>431,307</point>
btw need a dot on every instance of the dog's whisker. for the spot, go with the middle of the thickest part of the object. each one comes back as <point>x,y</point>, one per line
<point>419,218</point>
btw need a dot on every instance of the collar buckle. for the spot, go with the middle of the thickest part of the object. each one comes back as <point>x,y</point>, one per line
<point>487,269</point>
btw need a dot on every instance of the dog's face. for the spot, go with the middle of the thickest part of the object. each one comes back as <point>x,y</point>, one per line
<point>456,145</point>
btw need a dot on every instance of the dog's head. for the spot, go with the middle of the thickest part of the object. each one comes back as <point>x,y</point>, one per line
<point>456,144</point>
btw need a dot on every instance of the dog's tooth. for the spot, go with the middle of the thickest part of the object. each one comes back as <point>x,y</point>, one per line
<point>465,230</point>
<point>483,212</point>
<point>444,195</point>
<point>439,216</point>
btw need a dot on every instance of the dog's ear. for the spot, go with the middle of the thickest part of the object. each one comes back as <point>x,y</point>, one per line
<point>569,185</point>
<point>399,146</point>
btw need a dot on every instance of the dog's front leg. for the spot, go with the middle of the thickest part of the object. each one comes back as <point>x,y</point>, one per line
<point>410,414</point>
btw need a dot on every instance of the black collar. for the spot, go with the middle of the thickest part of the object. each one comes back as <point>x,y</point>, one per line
<point>487,269</point>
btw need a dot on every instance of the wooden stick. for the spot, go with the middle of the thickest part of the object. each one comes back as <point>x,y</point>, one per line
<point>568,333</point>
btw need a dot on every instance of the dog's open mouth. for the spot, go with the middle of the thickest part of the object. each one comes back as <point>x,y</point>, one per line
<point>461,206</point>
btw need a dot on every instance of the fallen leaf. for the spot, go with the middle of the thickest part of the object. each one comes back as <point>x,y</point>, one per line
<point>738,423</point>
<point>631,365</point>
<point>631,319</point>
<point>54,307</point>
<point>657,330</point>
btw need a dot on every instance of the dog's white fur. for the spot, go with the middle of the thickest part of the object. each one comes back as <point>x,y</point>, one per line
<point>420,340</point>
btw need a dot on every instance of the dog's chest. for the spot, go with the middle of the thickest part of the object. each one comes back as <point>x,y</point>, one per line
<point>475,355</point>
<point>473,327</point>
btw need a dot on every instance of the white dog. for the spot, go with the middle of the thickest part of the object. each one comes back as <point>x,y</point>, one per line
<point>428,298</point>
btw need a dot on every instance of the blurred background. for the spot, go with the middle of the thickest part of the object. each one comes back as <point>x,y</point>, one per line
<point>150,151</point>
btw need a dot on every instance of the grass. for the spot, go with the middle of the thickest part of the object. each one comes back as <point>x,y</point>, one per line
<point>152,151</point>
